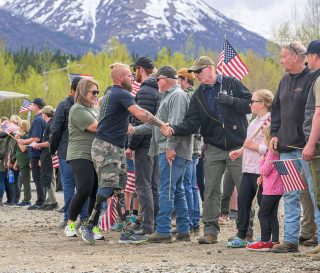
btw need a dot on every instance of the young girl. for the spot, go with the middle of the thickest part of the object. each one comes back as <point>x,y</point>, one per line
<point>271,195</point>
<point>252,148</point>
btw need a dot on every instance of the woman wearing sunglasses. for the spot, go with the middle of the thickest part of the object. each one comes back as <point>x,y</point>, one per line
<point>83,121</point>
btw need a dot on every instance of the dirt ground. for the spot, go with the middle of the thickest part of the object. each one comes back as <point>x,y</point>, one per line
<point>30,241</point>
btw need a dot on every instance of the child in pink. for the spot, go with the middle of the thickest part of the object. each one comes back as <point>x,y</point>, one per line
<point>271,195</point>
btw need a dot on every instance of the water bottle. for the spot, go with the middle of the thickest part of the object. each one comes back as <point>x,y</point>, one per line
<point>10,176</point>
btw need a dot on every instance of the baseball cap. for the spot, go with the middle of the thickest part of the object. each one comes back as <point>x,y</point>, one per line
<point>48,109</point>
<point>39,101</point>
<point>314,47</point>
<point>167,71</point>
<point>145,62</point>
<point>201,62</point>
<point>183,72</point>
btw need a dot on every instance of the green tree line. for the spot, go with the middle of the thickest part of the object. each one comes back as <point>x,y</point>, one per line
<point>45,74</point>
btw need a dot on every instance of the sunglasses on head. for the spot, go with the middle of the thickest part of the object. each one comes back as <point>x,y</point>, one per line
<point>199,70</point>
<point>94,92</point>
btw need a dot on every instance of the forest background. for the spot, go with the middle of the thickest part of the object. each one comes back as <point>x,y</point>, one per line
<point>45,74</point>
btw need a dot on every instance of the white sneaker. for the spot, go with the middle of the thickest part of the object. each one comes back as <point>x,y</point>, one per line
<point>70,230</point>
<point>97,233</point>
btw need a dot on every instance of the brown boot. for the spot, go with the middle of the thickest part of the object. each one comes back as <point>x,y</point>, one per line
<point>183,237</point>
<point>159,238</point>
<point>285,247</point>
<point>208,239</point>
<point>314,251</point>
<point>311,242</point>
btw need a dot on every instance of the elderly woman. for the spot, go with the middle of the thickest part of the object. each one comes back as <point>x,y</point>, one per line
<point>83,121</point>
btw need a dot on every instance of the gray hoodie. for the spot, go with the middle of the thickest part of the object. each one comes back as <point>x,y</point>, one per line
<point>172,109</point>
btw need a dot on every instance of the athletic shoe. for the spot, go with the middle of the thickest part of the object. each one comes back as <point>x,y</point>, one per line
<point>34,207</point>
<point>117,226</point>
<point>23,204</point>
<point>132,218</point>
<point>97,234</point>
<point>129,238</point>
<point>260,246</point>
<point>237,243</point>
<point>70,230</point>
<point>86,233</point>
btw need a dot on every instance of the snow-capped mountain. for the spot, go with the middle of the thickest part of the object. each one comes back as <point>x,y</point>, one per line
<point>144,25</point>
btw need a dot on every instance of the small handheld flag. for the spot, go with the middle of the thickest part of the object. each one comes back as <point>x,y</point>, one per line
<point>75,75</point>
<point>26,106</point>
<point>290,176</point>
<point>230,64</point>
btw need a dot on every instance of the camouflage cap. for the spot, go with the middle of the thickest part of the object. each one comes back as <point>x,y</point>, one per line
<point>201,62</point>
<point>183,72</point>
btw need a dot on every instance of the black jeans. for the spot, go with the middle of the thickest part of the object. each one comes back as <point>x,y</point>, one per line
<point>247,192</point>
<point>268,217</point>
<point>200,177</point>
<point>36,175</point>
<point>86,186</point>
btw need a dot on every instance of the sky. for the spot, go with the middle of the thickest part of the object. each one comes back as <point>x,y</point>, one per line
<point>260,16</point>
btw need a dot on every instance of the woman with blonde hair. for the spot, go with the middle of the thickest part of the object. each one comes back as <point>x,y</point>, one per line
<point>83,122</point>
<point>12,186</point>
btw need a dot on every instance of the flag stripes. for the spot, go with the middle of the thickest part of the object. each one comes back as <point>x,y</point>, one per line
<point>290,176</point>
<point>110,216</point>
<point>230,64</point>
<point>131,182</point>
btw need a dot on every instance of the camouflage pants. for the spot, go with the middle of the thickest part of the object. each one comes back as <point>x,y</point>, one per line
<point>110,164</point>
<point>315,171</point>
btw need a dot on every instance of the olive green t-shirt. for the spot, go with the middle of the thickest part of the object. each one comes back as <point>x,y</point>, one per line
<point>80,139</point>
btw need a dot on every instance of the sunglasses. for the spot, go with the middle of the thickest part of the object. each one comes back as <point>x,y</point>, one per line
<point>158,79</point>
<point>199,70</point>
<point>94,92</point>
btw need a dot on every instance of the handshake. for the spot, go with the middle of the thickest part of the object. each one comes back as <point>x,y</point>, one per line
<point>165,130</point>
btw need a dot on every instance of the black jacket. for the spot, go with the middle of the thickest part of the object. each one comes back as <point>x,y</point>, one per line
<point>59,134</point>
<point>288,109</point>
<point>225,135</point>
<point>148,97</point>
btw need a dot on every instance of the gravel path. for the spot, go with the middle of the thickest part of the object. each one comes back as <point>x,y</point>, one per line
<point>30,242</point>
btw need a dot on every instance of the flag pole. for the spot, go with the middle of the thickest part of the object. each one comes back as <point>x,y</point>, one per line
<point>224,53</point>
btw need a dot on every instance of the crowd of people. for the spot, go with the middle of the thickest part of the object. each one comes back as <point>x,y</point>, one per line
<point>184,146</point>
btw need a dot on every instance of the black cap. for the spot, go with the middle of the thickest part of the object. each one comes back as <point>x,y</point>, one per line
<point>167,71</point>
<point>145,62</point>
<point>39,101</point>
<point>314,47</point>
<point>74,83</point>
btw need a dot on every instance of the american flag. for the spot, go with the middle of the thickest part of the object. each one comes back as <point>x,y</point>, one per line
<point>55,162</point>
<point>110,216</point>
<point>9,127</point>
<point>74,75</point>
<point>135,88</point>
<point>131,178</point>
<point>230,64</point>
<point>290,176</point>
<point>26,106</point>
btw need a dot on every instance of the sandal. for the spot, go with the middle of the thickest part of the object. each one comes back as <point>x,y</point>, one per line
<point>237,243</point>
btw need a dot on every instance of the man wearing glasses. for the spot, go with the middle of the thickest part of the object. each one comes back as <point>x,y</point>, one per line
<point>287,118</point>
<point>173,155</point>
<point>219,107</point>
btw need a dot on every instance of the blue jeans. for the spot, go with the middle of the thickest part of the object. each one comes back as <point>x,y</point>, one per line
<point>68,185</point>
<point>192,192</point>
<point>3,176</point>
<point>177,196</point>
<point>292,208</point>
